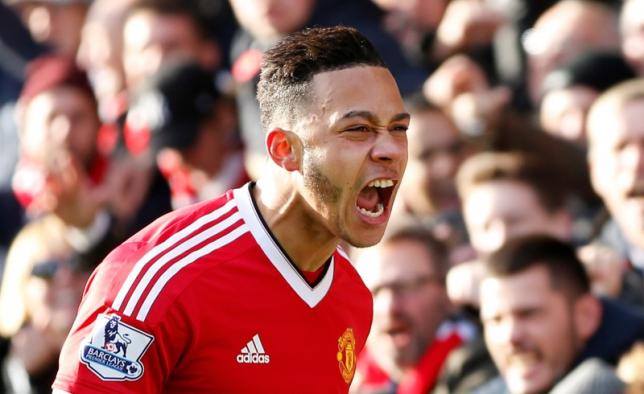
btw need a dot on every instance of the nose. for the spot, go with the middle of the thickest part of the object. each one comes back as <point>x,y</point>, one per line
<point>633,164</point>
<point>390,147</point>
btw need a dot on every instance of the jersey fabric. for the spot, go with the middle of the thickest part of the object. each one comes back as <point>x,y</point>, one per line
<point>205,300</point>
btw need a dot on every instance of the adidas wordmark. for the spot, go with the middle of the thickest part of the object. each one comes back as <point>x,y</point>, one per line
<point>253,353</point>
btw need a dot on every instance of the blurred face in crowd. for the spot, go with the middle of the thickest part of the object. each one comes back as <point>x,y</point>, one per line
<point>410,301</point>
<point>151,39</point>
<point>563,112</point>
<point>564,31</point>
<point>499,210</point>
<point>54,291</point>
<point>436,151</point>
<point>267,20</point>
<point>532,330</point>
<point>62,118</point>
<point>617,165</point>
<point>101,49</point>
<point>55,23</point>
<point>632,26</point>
<point>426,13</point>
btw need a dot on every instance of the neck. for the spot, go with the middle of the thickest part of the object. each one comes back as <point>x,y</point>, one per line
<point>295,225</point>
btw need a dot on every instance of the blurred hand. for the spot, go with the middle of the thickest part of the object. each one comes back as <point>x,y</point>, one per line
<point>463,281</point>
<point>605,267</point>
<point>466,24</point>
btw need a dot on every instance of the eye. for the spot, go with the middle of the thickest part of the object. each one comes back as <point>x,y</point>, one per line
<point>358,128</point>
<point>400,127</point>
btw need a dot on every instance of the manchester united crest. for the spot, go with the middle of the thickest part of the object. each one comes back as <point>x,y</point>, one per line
<point>347,355</point>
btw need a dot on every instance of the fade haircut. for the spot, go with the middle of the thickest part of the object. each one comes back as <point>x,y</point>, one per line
<point>289,67</point>
<point>520,167</point>
<point>566,272</point>
<point>408,229</point>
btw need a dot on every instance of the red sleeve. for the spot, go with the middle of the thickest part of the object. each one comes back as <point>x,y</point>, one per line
<point>108,352</point>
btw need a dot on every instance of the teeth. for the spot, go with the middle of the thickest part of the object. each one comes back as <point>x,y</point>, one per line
<point>379,210</point>
<point>381,183</point>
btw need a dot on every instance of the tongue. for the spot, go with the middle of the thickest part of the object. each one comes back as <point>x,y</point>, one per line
<point>368,199</point>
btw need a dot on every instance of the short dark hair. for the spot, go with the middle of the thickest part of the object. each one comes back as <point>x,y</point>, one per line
<point>522,167</point>
<point>289,67</point>
<point>566,271</point>
<point>407,229</point>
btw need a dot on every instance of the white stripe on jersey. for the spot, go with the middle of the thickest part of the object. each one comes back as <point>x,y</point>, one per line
<point>162,247</point>
<point>174,252</point>
<point>189,259</point>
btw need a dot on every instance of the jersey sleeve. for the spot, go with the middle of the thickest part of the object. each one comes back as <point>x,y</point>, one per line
<point>107,351</point>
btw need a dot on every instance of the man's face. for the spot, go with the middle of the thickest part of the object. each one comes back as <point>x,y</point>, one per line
<point>435,153</point>
<point>497,211</point>
<point>62,118</point>
<point>151,39</point>
<point>353,151</point>
<point>410,301</point>
<point>530,329</point>
<point>562,32</point>
<point>617,167</point>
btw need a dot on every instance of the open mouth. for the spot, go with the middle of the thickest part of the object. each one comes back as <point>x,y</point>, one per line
<point>373,199</point>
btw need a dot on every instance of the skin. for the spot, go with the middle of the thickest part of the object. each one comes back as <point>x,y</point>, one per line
<point>409,303</point>
<point>151,39</point>
<point>435,153</point>
<point>63,118</point>
<point>632,27</point>
<point>354,132</point>
<point>532,330</point>
<point>617,165</point>
<point>500,210</point>
<point>563,112</point>
<point>267,20</point>
<point>565,30</point>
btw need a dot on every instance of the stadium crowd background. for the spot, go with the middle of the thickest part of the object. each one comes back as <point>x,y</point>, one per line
<point>527,119</point>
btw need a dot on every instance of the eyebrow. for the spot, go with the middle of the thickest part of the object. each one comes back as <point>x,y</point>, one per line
<point>370,116</point>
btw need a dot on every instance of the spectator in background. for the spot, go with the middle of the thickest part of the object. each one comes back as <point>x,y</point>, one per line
<point>62,169</point>
<point>180,110</point>
<point>39,297</point>
<point>569,91</point>
<point>56,24</point>
<point>616,159</point>
<point>262,22</point>
<point>506,195</point>
<point>542,323</point>
<point>159,31</point>
<point>428,191</point>
<point>632,28</point>
<point>410,336</point>
<point>565,30</point>
<point>101,55</point>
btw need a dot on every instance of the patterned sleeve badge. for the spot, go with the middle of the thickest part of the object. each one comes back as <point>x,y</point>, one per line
<point>114,349</point>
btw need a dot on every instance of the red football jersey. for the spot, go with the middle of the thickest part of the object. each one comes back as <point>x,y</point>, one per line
<point>205,300</point>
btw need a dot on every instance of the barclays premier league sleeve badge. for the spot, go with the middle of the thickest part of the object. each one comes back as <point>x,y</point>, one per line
<point>114,349</point>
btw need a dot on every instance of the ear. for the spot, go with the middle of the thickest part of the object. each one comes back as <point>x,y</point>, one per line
<point>587,315</point>
<point>282,149</point>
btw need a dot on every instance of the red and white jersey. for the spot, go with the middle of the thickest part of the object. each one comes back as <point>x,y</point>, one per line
<point>205,300</point>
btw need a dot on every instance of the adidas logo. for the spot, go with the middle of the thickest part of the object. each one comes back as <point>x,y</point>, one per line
<point>253,353</point>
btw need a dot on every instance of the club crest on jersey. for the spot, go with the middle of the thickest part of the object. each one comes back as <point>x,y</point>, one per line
<point>114,349</point>
<point>347,355</point>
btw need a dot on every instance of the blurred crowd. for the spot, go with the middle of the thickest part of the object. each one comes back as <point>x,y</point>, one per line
<point>515,260</point>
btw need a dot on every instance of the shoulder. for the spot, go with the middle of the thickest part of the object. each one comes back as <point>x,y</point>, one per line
<point>153,266</point>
